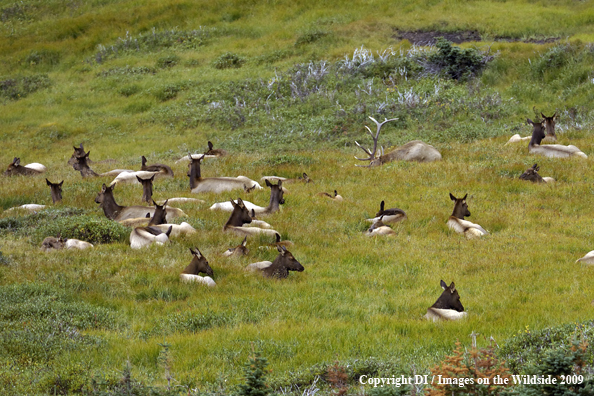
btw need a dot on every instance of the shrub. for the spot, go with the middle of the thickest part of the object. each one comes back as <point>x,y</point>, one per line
<point>255,376</point>
<point>44,57</point>
<point>168,61</point>
<point>18,87</point>
<point>228,60</point>
<point>455,62</point>
<point>168,92</point>
<point>129,90</point>
<point>309,37</point>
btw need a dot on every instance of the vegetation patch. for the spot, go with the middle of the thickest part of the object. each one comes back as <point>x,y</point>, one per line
<point>18,87</point>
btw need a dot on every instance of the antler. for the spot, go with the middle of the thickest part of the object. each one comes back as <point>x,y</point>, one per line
<point>371,154</point>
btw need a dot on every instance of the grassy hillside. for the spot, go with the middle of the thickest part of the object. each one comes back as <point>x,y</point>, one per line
<point>286,88</point>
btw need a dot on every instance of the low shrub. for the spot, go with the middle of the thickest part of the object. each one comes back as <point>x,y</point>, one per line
<point>309,37</point>
<point>18,87</point>
<point>228,60</point>
<point>168,61</point>
<point>87,228</point>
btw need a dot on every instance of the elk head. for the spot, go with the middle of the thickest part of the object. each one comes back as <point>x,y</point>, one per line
<point>374,159</point>
<point>449,299</point>
<point>460,207</point>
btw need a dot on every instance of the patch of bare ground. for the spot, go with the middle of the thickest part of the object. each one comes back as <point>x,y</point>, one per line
<point>463,36</point>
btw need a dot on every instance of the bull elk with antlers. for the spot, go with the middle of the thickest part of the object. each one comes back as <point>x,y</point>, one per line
<point>415,150</point>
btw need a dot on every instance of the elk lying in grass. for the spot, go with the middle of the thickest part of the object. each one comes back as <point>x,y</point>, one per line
<point>550,150</point>
<point>587,259</point>
<point>276,199</point>
<point>31,208</point>
<point>531,174</point>
<point>52,243</point>
<point>212,152</point>
<point>239,250</point>
<point>141,237</point>
<point>280,267</point>
<point>198,265</point>
<point>159,221</point>
<point>447,306</point>
<point>147,188</point>
<point>301,179</point>
<point>113,211</point>
<point>549,123</point>
<point>415,150</point>
<point>388,216</point>
<point>241,216</point>
<point>161,169</point>
<point>16,169</point>
<point>198,184</point>
<point>82,165</point>
<point>379,228</point>
<point>334,197</point>
<point>56,190</point>
<point>457,223</point>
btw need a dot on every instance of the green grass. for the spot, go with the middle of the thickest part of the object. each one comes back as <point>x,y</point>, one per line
<point>145,78</point>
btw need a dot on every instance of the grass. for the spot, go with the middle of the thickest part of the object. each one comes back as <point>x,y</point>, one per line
<point>310,76</point>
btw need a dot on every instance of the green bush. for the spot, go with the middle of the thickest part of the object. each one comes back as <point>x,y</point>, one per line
<point>129,90</point>
<point>255,377</point>
<point>310,37</point>
<point>455,62</point>
<point>228,60</point>
<point>45,57</point>
<point>18,87</point>
<point>168,61</point>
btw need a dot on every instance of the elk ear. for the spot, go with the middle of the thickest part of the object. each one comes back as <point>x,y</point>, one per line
<point>210,145</point>
<point>382,205</point>
<point>192,251</point>
<point>277,237</point>
<point>169,231</point>
<point>543,116</point>
<point>240,203</point>
<point>280,184</point>
<point>154,203</point>
<point>165,203</point>
<point>60,184</point>
<point>148,216</point>
<point>77,148</point>
<point>452,288</point>
<point>464,198</point>
<point>268,183</point>
<point>443,285</point>
<point>281,249</point>
<point>139,179</point>
<point>244,241</point>
<point>17,161</point>
<point>103,188</point>
<point>233,203</point>
<point>48,182</point>
<point>529,121</point>
<point>197,253</point>
<point>452,197</point>
<point>253,213</point>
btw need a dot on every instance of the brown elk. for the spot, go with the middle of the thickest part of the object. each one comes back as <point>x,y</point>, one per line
<point>390,216</point>
<point>334,197</point>
<point>82,165</point>
<point>56,190</point>
<point>141,237</point>
<point>276,199</point>
<point>550,127</point>
<point>162,169</point>
<point>304,178</point>
<point>549,150</point>
<point>16,169</point>
<point>159,221</point>
<point>113,211</point>
<point>52,243</point>
<point>198,265</point>
<point>531,174</point>
<point>280,267</point>
<point>447,306</point>
<point>147,188</point>
<point>457,223</point>
<point>198,184</point>
<point>415,150</point>
<point>379,228</point>
<point>239,250</point>
<point>214,152</point>
<point>241,216</point>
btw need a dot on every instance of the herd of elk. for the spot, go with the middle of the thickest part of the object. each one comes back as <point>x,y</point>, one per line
<point>549,150</point>
<point>276,199</point>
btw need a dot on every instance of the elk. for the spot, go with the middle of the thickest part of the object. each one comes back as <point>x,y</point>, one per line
<point>550,127</point>
<point>457,223</point>
<point>82,165</point>
<point>145,236</point>
<point>161,169</point>
<point>587,259</point>
<point>198,265</point>
<point>379,228</point>
<point>239,250</point>
<point>280,267</point>
<point>241,216</point>
<point>78,152</point>
<point>113,211</point>
<point>16,169</point>
<point>56,190</point>
<point>147,188</point>
<point>52,243</point>
<point>31,208</point>
<point>531,174</point>
<point>415,150</point>
<point>334,197</point>
<point>390,216</point>
<point>549,150</point>
<point>304,178</point>
<point>159,221</point>
<point>447,306</point>
<point>212,152</point>
<point>198,184</point>
<point>276,199</point>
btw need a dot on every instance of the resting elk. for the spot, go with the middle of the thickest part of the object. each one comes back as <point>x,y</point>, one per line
<point>379,228</point>
<point>141,237</point>
<point>198,184</point>
<point>239,250</point>
<point>276,199</point>
<point>198,265</point>
<point>52,243</point>
<point>334,197</point>
<point>147,188</point>
<point>16,169</point>
<point>388,216</point>
<point>550,150</point>
<point>241,216</point>
<point>56,190</point>
<point>447,306</point>
<point>159,221</point>
<point>161,169</point>
<point>82,165</point>
<point>587,259</point>
<point>549,123</point>
<point>531,174</point>
<point>415,150</point>
<point>212,152</point>
<point>304,178</point>
<point>280,267</point>
<point>457,223</point>
<point>113,211</point>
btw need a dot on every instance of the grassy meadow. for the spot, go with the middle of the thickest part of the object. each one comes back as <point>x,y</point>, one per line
<point>287,87</point>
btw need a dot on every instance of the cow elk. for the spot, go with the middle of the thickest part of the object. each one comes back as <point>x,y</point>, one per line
<point>379,228</point>
<point>198,184</point>
<point>52,243</point>
<point>587,259</point>
<point>241,216</point>
<point>447,306</point>
<point>56,190</point>
<point>304,178</point>
<point>161,169</point>
<point>213,152</point>
<point>531,174</point>
<point>147,188</point>
<point>141,237</point>
<point>334,197</point>
<point>550,150</point>
<point>388,216</point>
<point>16,169</point>
<point>113,211</point>
<point>415,150</point>
<point>276,199</point>
<point>159,221</point>
<point>239,250</point>
<point>457,223</point>
<point>280,267</point>
<point>198,265</point>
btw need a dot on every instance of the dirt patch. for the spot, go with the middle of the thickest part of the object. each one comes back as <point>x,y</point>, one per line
<point>464,36</point>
